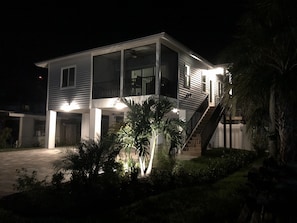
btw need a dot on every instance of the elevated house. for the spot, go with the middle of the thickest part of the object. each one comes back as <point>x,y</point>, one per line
<point>92,82</point>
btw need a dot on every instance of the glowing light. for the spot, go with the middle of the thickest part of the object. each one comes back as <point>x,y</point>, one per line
<point>175,110</point>
<point>69,106</point>
<point>119,105</point>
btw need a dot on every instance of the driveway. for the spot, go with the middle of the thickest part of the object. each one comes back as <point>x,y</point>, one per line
<point>39,159</point>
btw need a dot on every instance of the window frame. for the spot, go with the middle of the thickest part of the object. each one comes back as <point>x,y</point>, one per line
<point>67,85</point>
<point>203,82</point>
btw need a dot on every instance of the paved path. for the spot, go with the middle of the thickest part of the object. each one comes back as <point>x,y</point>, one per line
<point>40,159</point>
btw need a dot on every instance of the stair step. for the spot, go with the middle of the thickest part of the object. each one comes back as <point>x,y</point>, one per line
<point>193,148</point>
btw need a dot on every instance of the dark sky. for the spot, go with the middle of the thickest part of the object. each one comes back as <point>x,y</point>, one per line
<point>36,33</point>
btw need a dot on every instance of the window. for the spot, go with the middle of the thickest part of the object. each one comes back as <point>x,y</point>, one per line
<point>68,77</point>
<point>203,82</point>
<point>187,77</point>
<point>220,88</point>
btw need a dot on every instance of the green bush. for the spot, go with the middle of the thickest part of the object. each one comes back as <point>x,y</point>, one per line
<point>5,135</point>
<point>26,182</point>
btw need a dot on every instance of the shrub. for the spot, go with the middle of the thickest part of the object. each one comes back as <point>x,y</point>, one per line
<point>26,182</point>
<point>5,136</point>
<point>92,166</point>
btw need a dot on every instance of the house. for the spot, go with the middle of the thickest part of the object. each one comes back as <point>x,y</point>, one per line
<point>92,82</point>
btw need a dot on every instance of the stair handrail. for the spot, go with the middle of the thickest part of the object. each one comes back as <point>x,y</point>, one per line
<point>212,124</point>
<point>195,120</point>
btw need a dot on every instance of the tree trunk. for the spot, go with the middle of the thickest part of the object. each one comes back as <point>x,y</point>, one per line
<point>287,133</point>
<point>152,154</point>
<point>142,165</point>
<point>272,130</point>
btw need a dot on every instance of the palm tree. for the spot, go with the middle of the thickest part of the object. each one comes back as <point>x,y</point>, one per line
<point>264,59</point>
<point>144,123</point>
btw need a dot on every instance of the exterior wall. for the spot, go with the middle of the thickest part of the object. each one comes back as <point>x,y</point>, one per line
<point>81,93</point>
<point>190,98</point>
<point>28,134</point>
<point>240,137</point>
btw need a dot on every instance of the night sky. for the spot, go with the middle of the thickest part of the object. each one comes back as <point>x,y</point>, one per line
<point>37,33</point>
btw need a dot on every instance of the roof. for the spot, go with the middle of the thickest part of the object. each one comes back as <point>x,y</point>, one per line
<point>125,44</point>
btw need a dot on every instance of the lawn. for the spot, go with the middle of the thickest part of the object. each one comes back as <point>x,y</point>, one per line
<point>215,201</point>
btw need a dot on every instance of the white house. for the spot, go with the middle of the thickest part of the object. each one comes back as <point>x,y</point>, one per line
<point>92,82</point>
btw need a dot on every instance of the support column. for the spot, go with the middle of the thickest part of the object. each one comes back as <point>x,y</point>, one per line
<point>20,138</point>
<point>95,123</point>
<point>225,132</point>
<point>50,129</point>
<point>230,129</point>
<point>85,126</point>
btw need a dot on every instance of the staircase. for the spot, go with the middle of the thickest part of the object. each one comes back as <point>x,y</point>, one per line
<point>199,139</point>
<point>193,147</point>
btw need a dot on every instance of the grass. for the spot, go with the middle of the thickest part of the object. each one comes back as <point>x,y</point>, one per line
<point>218,202</point>
<point>214,202</point>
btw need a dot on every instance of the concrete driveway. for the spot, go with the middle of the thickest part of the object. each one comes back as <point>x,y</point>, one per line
<point>39,159</point>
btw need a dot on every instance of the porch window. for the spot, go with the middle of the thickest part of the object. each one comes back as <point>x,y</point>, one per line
<point>139,70</point>
<point>187,76</point>
<point>68,77</point>
<point>106,75</point>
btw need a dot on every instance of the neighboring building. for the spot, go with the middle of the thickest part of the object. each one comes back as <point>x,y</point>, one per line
<point>92,82</point>
<point>28,130</point>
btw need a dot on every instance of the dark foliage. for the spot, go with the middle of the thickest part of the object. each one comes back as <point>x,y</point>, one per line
<point>272,195</point>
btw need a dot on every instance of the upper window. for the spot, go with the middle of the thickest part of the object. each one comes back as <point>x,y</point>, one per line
<point>187,77</point>
<point>68,77</point>
<point>203,82</point>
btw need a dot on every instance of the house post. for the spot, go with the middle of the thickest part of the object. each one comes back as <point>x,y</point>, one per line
<point>20,138</point>
<point>85,123</point>
<point>95,123</point>
<point>50,129</point>
<point>230,129</point>
<point>225,132</point>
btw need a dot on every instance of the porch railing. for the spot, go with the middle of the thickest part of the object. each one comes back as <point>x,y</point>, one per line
<point>212,124</point>
<point>192,123</point>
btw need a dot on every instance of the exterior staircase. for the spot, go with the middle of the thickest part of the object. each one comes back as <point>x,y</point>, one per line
<point>199,139</point>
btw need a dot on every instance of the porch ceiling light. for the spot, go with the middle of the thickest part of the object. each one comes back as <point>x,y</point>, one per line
<point>119,105</point>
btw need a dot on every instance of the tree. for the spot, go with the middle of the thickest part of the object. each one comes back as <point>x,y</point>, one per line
<point>91,160</point>
<point>144,123</point>
<point>264,71</point>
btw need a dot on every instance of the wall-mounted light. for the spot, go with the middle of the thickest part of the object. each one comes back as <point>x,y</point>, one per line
<point>67,107</point>
<point>118,104</point>
<point>175,110</point>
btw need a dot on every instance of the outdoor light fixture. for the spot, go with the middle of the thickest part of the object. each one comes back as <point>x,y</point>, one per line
<point>175,110</point>
<point>69,106</point>
<point>119,105</point>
